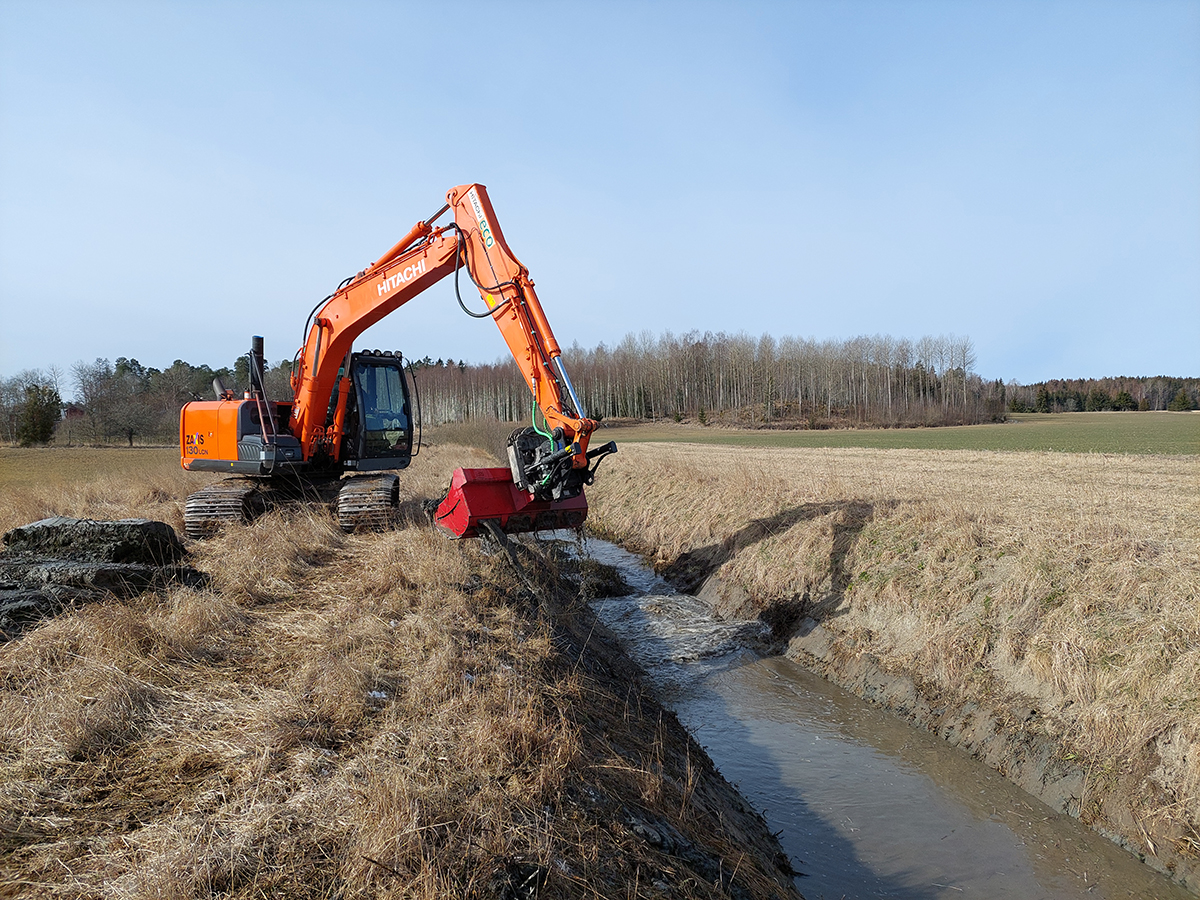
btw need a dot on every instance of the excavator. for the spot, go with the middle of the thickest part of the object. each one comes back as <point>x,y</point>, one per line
<point>352,421</point>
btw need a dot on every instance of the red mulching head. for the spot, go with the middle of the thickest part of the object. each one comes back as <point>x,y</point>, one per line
<point>476,495</point>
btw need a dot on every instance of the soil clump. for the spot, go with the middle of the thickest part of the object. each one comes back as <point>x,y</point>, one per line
<point>59,562</point>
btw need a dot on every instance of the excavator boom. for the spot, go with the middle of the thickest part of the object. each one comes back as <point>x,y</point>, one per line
<point>326,427</point>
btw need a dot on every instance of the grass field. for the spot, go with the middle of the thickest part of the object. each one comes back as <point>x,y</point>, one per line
<point>1101,432</point>
<point>45,466</point>
<point>1067,580</point>
<point>95,483</point>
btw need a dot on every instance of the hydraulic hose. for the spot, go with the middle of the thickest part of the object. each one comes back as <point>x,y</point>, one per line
<point>533,419</point>
<point>459,247</point>
<point>549,438</point>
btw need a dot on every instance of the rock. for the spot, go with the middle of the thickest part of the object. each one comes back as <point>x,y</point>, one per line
<point>601,580</point>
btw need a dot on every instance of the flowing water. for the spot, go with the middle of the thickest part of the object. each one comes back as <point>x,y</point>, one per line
<point>866,805</point>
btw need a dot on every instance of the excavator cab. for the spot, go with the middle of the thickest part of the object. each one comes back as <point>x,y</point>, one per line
<point>379,420</point>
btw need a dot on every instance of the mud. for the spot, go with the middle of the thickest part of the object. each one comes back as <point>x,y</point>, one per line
<point>123,541</point>
<point>59,563</point>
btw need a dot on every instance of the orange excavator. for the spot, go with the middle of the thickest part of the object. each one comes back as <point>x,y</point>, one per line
<point>352,421</point>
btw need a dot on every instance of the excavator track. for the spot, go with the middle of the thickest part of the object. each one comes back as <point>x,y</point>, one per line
<point>368,502</point>
<point>211,508</point>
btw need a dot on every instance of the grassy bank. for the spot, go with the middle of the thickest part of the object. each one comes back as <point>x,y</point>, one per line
<point>1061,589</point>
<point>1099,432</point>
<point>391,715</point>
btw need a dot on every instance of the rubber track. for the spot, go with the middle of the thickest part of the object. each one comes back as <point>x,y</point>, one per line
<point>210,508</point>
<point>368,502</point>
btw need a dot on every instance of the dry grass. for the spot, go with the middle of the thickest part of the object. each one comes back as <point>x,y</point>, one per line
<point>359,716</point>
<point>93,483</point>
<point>488,435</point>
<point>1071,582</point>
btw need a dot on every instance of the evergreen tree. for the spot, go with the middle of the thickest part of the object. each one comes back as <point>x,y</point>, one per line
<point>1181,403</point>
<point>38,415</point>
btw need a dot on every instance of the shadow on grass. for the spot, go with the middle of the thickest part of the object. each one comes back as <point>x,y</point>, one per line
<point>689,572</point>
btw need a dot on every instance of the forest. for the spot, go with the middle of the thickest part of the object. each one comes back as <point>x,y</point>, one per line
<point>1099,394</point>
<point>718,379</point>
<point>745,381</point>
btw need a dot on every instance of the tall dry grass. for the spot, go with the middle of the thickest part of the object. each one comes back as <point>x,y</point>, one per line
<point>1069,583</point>
<point>382,715</point>
<point>93,483</point>
<point>489,436</point>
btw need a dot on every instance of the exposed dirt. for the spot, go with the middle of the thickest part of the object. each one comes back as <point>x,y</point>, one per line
<point>123,541</point>
<point>58,563</point>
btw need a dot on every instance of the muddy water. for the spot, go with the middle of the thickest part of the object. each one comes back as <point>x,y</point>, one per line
<point>866,805</point>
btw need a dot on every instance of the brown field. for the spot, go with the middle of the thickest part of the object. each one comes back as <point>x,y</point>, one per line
<point>387,715</point>
<point>94,483</point>
<point>1066,584</point>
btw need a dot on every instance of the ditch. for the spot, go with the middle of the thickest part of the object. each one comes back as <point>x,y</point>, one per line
<point>867,805</point>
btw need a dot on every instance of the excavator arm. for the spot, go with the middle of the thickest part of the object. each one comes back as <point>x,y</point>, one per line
<point>350,409</point>
<point>547,470</point>
<point>426,255</point>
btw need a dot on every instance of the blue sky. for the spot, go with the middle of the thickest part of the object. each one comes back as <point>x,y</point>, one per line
<point>175,177</point>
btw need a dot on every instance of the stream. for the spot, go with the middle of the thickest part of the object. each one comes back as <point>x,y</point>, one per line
<point>866,805</point>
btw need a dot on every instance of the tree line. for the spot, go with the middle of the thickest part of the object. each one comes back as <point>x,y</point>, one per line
<point>115,402</point>
<point>708,378</point>
<point>1099,394</point>
<point>30,406</point>
<point>743,380</point>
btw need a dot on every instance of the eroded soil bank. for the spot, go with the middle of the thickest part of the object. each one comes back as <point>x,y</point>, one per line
<point>1039,610</point>
<point>384,715</point>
